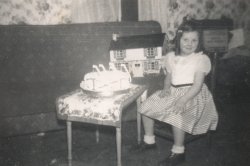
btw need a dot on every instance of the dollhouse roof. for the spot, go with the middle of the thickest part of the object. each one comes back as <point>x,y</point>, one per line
<point>137,41</point>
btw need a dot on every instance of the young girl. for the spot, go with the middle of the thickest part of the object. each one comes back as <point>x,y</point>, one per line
<point>185,101</point>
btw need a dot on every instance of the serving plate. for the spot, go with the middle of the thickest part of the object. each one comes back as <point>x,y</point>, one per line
<point>105,93</point>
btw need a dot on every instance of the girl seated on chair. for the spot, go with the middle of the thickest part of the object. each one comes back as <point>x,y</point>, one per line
<point>185,101</point>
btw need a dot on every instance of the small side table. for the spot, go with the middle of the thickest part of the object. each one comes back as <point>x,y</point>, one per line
<point>79,106</point>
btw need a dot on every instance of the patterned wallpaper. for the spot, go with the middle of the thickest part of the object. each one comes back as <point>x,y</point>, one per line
<point>212,9</point>
<point>238,10</point>
<point>34,11</point>
<point>59,12</point>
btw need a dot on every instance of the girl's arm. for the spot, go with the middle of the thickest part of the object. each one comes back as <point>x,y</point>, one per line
<point>167,84</point>
<point>167,81</point>
<point>192,92</point>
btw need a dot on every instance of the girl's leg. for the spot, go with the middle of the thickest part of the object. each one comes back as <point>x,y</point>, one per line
<point>179,136</point>
<point>148,125</point>
<point>177,156</point>
<point>149,138</point>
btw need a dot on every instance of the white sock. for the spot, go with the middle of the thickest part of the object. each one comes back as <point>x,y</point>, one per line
<point>178,149</point>
<point>149,139</point>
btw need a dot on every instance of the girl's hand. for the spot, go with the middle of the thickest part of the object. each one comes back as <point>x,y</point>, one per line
<point>180,106</point>
<point>164,93</point>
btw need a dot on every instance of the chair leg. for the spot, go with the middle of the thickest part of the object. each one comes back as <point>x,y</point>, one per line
<point>209,142</point>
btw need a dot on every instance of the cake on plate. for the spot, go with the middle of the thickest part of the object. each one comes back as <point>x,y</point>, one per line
<point>109,81</point>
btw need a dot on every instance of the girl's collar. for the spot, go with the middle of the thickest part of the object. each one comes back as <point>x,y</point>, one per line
<point>198,53</point>
<point>183,56</point>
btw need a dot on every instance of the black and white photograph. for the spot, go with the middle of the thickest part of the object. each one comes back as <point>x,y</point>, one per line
<point>124,82</point>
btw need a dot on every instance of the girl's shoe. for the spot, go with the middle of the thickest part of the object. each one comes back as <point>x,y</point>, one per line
<point>173,159</point>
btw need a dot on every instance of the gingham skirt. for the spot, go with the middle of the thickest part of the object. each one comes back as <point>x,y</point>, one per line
<point>200,113</point>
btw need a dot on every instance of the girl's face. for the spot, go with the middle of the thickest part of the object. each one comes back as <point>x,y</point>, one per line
<point>189,42</point>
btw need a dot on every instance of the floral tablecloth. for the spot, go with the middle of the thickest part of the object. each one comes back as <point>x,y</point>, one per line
<point>81,105</point>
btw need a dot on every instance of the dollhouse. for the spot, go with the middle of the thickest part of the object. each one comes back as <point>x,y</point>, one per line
<point>141,53</point>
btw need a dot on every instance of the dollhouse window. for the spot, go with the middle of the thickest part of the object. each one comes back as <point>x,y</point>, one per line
<point>137,65</point>
<point>150,52</point>
<point>120,54</point>
<point>151,65</point>
<point>118,65</point>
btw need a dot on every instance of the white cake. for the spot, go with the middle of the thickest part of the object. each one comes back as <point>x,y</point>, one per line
<point>102,80</point>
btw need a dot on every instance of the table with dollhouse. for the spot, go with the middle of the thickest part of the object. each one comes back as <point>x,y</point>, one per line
<point>82,106</point>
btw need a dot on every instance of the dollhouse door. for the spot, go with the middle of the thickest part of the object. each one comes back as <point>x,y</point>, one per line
<point>137,69</point>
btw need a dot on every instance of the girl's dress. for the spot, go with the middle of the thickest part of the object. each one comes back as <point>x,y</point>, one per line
<point>200,114</point>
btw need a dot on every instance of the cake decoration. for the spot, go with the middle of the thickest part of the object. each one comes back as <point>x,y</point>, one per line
<point>106,81</point>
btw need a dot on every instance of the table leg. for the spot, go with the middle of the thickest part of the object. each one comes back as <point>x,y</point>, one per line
<point>138,122</point>
<point>138,128</point>
<point>69,141</point>
<point>139,116</point>
<point>118,145</point>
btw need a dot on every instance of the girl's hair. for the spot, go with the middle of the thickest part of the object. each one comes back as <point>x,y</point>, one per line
<point>187,26</point>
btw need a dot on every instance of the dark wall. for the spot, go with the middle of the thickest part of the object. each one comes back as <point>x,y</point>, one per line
<point>129,10</point>
<point>38,63</point>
